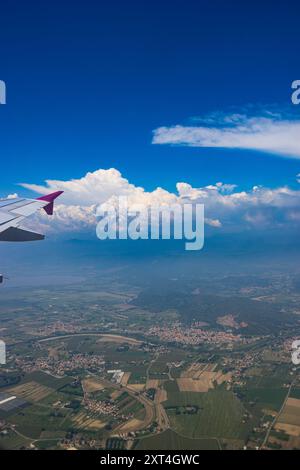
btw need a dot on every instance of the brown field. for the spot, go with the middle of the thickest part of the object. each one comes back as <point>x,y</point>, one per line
<point>202,382</point>
<point>79,418</point>
<point>220,378</point>
<point>194,370</point>
<point>292,443</point>
<point>289,429</point>
<point>131,426</point>
<point>289,419</point>
<point>31,391</point>
<point>92,385</point>
<point>161,395</point>
<point>136,387</point>
<point>293,402</point>
<point>117,339</point>
<point>125,378</point>
<point>152,383</point>
<point>82,421</point>
<point>94,424</point>
<point>115,394</point>
<point>191,385</point>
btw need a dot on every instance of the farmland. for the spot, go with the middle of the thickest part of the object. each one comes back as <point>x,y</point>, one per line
<point>99,379</point>
<point>217,414</point>
<point>170,440</point>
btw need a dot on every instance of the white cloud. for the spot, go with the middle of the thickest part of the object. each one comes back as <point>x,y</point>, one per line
<point>226,206</point>
<point>270,133</point>
<point>93,188</point>
<point>213,222</point>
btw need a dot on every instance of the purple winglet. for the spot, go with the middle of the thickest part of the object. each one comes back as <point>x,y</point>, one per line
<point>50,198</point>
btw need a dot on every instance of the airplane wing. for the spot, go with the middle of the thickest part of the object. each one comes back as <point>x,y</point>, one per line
<point>14,211</point>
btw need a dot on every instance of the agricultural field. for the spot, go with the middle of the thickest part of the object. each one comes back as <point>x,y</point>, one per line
<point>47,380</point>
<point>31,391</point>
<point>263,398</point>
<point>138,373</point>
<point>121,386</point>
<point>153,383</point>
<point>92,384</point>
<point>83,421</point>
<point>289,419</point>
<point>34,420</point>
<point>170,440</point>
<point>41,392</point>
<point>13,441</point>
<point>216,414</point>
<point>201,377</point>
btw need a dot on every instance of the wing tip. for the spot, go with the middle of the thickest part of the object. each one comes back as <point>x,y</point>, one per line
<point>50,198</point>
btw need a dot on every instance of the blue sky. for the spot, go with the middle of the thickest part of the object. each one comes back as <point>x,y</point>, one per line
<point>89,82</point>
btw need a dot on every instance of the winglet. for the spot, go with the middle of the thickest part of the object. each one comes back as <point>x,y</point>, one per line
<point>50,198</point>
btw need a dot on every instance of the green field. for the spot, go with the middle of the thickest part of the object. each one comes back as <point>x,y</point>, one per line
<point>46,444</point>
<point>171,386</point>
<point>13,441</point>
<point>158,370</point>
<point>268,398</point>
<point>170,440</point>
<point>47,380</point>
<point>138,373</point>
<point>34,420</point>
<point>220,415</point>
<point>295,393</point>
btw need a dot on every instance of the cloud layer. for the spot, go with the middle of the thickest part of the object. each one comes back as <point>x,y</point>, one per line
<point>269,133</point>
<point>226,207</point>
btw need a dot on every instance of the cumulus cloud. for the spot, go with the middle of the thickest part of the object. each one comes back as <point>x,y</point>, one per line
<point>77,207</point>
<point>270,133</point>
<point>226,206</point>
<point>93,188</point>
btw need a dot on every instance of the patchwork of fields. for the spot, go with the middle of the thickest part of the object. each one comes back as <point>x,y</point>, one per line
<point>171,440</point>
<point>218,414</point>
